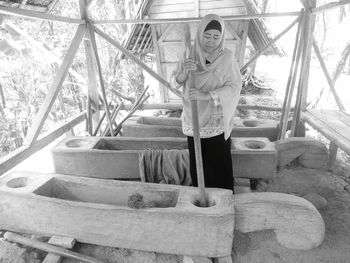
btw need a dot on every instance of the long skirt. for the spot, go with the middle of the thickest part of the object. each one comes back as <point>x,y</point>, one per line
<point>217,162</point>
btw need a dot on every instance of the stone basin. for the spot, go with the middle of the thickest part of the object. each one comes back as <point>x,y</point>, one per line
<point>118,157</point>
<point>171,127</point>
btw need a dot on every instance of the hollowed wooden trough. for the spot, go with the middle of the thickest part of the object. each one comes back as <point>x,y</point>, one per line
<point>118,157</point>
<point>171,127</point>
<point>96,211</point>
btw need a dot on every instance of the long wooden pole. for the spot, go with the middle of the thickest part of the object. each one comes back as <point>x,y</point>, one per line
<point>91,34</point>
<point>195,124</point>
<point>290,84</point>
<point>49,248</point>
<point>328,76</point>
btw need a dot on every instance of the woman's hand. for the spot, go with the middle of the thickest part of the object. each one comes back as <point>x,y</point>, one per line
<point>195,94</point>
<point>189,65</point>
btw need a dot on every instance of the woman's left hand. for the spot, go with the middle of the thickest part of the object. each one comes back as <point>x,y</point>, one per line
<point>198,95</point>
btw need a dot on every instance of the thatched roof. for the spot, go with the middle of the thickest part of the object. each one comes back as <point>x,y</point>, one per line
<point>139,39</point>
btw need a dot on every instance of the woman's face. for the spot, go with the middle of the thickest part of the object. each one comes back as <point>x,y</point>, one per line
<point>211,40</point>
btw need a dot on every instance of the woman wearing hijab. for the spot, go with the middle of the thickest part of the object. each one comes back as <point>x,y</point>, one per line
<point>217,85</point>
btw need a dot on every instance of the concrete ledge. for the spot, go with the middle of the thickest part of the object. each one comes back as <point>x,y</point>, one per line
<point>95,211</point>
<point>118,158</point>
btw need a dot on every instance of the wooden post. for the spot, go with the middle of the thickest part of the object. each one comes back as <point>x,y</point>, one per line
<point>290,84</point>
<point>301,101</point>
<point>333,149</point>
<point>91,73</point>
<point>91,35</point>
<point>195,123</point>
<point>45,108</point>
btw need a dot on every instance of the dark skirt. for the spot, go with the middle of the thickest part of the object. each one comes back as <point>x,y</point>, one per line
<point>217,162</point>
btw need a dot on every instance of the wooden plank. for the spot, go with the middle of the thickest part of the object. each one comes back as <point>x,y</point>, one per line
<point>137,61</point>
<point>243,43</point>
<point>64,242</point>
<point>45,108</point>
<point>325,130</point>
<point>170,2</point>
<point>327,75</point>
<point>332,123</point>
<point>193,19</point>
<point>12,159</point>
<point>220,3</point>
<point>38,15</point>
<point>172,8</point>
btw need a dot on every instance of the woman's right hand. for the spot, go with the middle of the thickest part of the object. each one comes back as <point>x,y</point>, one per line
<point>189,65</point>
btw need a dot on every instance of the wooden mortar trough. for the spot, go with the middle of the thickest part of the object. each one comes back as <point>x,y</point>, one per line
<point>96,211</point>
<point>118,157</point>
<point>171,127</point>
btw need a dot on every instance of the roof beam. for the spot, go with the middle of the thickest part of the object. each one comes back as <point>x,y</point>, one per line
<point>38,15</point>
<point>194,19</point>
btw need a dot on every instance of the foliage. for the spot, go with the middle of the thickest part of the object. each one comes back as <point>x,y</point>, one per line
<point>27,71</point>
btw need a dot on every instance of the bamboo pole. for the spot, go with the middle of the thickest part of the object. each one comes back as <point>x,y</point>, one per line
<point>136,60</point>
<point>114,115</point>
<point>262,50</point>
<point>49,248</point>
<point>304,70</point>
<point>290,84</point>
<point>91,73</point>
<point>38,15</point>
<point>195,123</point>
<point>328,77</point>
<point>45,108</point>
<point>99,69</point>
<point>194,19</point>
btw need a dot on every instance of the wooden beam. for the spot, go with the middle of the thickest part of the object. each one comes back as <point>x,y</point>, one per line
<point>45,108</point>
<point>99,69</point>
<point>158,58</point>
<point>12,159</point>
<point>326,7</point>
<point>38,15</point>
<point>243,43</point>
<point>328,76</point>
<point>91,72</point>
<point>136,60</point>
<point>233,32</point>
<point>194,19</point>
<point>262,50</point>
<point>196,8</point>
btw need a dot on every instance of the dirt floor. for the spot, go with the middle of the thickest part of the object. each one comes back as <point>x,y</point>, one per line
<point>262,247</point>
